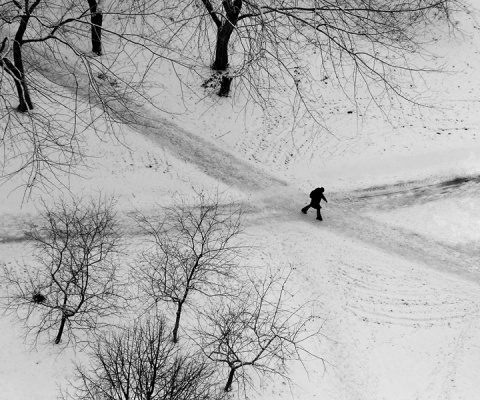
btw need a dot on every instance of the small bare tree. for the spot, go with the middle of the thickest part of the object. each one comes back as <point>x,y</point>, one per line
<point>141,363</point>
<point>257,330</point>
<point>73,284</point>
<point>194,250</point>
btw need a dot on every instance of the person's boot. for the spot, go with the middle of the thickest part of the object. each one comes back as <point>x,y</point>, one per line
<point>320,218</point>
<point>304,210</point>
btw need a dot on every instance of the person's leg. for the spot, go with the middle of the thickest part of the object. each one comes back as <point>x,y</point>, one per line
<point>319,215</point>
<point>305,209</point>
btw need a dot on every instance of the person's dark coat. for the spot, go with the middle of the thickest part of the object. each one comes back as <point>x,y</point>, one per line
<point>316,196</point>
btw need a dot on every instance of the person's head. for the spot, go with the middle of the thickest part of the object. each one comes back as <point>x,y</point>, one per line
<point>322,189</point>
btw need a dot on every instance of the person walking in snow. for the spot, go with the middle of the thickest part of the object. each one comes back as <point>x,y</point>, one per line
<point>316,196</point>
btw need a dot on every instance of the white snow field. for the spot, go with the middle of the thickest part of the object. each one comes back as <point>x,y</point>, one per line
<point>394,266</point>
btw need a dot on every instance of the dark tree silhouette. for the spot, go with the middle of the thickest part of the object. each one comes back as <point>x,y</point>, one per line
<point>257,330</point>
<point>96,18</point>
<point>72,286</point>
<point>141,363</point>
<point>368,39</point>
<point>17,69</point>
<point>195,249</point>
<point>53,88</point>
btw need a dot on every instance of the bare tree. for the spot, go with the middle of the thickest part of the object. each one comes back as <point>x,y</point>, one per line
<point>195,249</point>
<point>61,89</point>
<point>258,330</point>
<point>73,284</point>
<point>141,363</point>
<point>16,69</point>
<point>275,45</point>
<point>65,23</point>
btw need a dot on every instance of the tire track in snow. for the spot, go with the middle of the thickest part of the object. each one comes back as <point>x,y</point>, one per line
<point>378,303</point>
<point>406,194</point>
<point>383,296</point>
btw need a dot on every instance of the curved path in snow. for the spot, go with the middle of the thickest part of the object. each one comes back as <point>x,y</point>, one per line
<point>273,198</point>
<point>186,146</point>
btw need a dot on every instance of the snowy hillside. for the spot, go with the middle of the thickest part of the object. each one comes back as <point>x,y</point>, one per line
<point>394,266</point>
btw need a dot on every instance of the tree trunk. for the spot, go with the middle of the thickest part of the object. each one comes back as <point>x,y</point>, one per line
<point>221,51</point>
<point>177,322</point>
<point>60,330</point>
<point>225,86</point>
<point>25,102</point>
<point>17,70</point>
<point>96,19</point>
<point>228,386</point>
<point>24,99</point>
<point>224,32</point>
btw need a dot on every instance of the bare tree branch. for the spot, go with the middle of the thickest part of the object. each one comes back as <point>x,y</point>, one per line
<point>139,362</point>
<point>195,250</point>
<point>73,286</point>
<point>257,330</point>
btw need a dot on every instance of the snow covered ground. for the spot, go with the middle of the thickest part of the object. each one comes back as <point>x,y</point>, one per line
<point>395,265</point>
